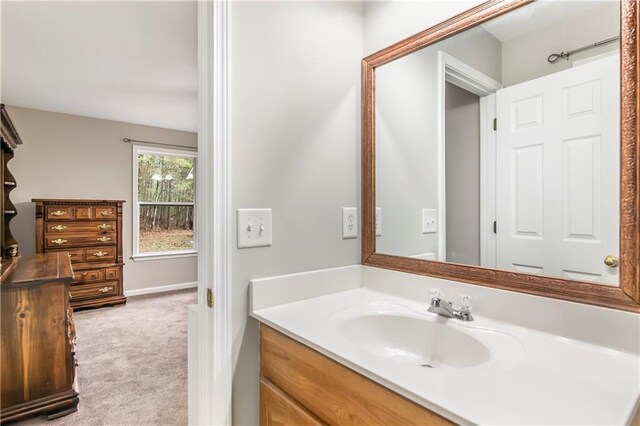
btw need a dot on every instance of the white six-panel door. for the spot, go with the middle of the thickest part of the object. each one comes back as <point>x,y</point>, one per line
<point>557,190</point>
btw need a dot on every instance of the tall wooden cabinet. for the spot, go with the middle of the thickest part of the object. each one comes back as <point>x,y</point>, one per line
<point>9,140</point>
<point>91,232</point>
<point>38,338</point>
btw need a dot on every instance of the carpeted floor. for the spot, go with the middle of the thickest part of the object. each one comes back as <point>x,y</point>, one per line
<point>133,363</point>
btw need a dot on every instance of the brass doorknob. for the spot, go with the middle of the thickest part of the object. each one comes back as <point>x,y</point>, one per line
<point>612,261</point>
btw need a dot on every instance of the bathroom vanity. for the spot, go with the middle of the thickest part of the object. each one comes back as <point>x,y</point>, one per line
<point>358,345</point>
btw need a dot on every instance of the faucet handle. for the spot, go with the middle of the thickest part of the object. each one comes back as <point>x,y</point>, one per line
<point>465,303</point>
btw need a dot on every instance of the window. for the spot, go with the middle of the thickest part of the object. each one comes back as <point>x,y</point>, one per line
<point>164,202</point>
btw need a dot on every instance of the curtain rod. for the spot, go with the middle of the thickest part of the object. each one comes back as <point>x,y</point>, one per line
<point>554,57</point>
<point>129,140</point>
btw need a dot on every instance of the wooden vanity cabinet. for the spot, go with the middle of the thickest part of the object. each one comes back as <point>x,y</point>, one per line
<point>299,385</point>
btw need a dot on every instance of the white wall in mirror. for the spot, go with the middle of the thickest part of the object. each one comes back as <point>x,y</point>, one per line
<point>406,137</point>
<point>576,24</point>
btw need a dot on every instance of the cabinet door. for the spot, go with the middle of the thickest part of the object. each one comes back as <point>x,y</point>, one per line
<point>277,409</point>
<point>332,392</point>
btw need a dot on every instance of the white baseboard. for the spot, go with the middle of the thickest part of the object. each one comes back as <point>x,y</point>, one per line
<point>149,290</point>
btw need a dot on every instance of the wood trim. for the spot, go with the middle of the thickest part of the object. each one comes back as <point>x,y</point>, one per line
<point>39,227</point>
<point>467,19</point>
<point>627,296</point>
<point>72,201</point>
<point>368,161</point>
<point>629,152</point>
<point>119,238</point>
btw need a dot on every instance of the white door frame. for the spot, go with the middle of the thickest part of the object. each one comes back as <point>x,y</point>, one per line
<point>456,72</point>
<point>214,353</point>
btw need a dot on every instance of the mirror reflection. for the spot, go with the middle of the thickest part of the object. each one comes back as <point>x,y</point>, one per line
<point>499,146</point>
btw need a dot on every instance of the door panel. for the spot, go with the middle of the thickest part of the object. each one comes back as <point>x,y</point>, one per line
<point>558,173</point>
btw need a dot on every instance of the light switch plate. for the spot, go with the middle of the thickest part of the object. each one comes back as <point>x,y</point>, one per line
<point>429,221</point>
<point>254,228</point>
<point>349,222</point>
<point>378,221</point>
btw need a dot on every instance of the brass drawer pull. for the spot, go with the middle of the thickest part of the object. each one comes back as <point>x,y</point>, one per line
<point>58,228</point>
<point>101,253</point>
<point>58,242</point>
<point>104,289</point>
<point>104,239</point>
<point>104,227</point>
<point>58,213</point>
<point>105,212</point>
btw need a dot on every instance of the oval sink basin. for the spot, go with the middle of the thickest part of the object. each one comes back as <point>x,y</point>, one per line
<point>419,341</point>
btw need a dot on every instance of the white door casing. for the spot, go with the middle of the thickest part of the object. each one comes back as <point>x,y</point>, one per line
<point>454,71</point>
<point>212,363</point>
<point>558,150</point>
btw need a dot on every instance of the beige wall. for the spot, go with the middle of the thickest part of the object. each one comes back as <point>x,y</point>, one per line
<point>462,169</point>
<point>67,156</point>
<point>295,120</point>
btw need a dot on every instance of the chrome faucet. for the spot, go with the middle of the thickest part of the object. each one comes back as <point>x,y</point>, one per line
<point>446,309</point>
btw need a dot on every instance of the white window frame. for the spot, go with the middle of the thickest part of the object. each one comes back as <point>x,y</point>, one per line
<point>136,255</point>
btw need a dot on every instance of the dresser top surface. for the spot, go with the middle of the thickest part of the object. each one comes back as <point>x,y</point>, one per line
<point>37,268</point>
<point>72,201</point>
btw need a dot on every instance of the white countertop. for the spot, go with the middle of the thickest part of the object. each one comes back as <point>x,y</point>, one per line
<point>550,380</point>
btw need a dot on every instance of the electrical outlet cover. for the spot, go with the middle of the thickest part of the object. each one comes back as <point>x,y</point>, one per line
<point>378,221</point>
<point>349,222</point>
<point>429,221</point>
<point>254,228</point>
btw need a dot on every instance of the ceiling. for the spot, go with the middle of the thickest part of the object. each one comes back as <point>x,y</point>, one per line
<point>532,17</point>
<point>132,61</point>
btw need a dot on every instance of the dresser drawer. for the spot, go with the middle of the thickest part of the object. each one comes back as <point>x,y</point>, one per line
<point>76,255</point>
<point>99,254</point>
<point>65,240</point>
<point>107,212</point>
<point>95,228</point>
<point>83,212</point>
<point>89,276</point>
<point>91,291</point>
<point>112,273</point>
<point>60,213</point>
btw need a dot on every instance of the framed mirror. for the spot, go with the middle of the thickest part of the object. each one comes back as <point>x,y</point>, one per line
<point>500,148</point>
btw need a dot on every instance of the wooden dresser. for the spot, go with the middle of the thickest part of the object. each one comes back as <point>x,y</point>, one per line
<point>91,231</point>
<point>38,337</point>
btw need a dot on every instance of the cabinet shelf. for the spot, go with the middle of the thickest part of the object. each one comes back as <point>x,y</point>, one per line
<point>9,141</point>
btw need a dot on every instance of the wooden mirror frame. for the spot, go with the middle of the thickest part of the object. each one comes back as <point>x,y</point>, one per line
<point>627,295</point>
